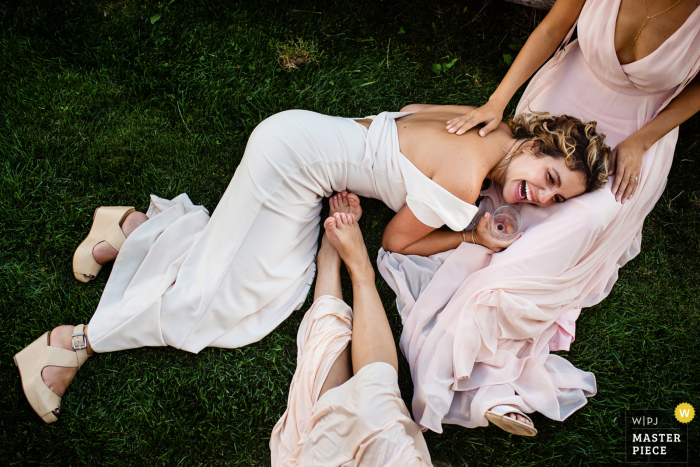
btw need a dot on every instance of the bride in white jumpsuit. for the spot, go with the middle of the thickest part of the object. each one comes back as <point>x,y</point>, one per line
<point>189,281</point>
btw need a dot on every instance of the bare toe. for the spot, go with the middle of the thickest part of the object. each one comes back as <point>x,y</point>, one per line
<point>347,203</point>
<point>522,419</point>
<point>345,219</point>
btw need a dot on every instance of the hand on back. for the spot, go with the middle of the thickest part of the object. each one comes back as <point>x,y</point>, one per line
<point>490,114</point>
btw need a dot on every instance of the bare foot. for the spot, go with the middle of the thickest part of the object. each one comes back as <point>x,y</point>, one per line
<point>58,378</point>
<point>103,251</point>
<point>345,235</point>
<point>346,202</point>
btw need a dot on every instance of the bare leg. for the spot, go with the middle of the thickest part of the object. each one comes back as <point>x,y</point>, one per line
<point>371,334</point>
<point>328,283</point>
<point>341,371</point>
<point>372,338</point>
<point>328,271</point>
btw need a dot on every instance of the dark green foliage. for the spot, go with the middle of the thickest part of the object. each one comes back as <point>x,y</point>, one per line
<point>104,102</point>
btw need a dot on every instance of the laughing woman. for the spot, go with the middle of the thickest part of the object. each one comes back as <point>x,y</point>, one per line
<point>189,281</point>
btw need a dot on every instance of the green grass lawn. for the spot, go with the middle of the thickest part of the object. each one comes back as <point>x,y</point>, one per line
<point>105,102</point>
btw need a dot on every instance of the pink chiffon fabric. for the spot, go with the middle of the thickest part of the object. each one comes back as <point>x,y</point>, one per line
<point>363,422</point>
<point>480,332</point>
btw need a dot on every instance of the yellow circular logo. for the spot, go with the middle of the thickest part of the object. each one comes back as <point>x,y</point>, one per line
<point>684,412</point>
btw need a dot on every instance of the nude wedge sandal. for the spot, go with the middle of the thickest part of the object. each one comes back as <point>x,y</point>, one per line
<point>106,227</point>
<point>39,354</point>
<point>497,416</point>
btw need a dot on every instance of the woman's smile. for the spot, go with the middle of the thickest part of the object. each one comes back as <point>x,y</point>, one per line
<point>523,192</point>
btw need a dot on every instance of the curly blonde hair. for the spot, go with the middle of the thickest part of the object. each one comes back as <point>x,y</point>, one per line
<point>582,148</point>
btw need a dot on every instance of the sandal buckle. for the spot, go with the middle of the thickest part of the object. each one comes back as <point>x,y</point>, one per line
<point>79,347</point>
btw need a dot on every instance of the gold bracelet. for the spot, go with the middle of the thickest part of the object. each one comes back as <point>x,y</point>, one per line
<point>464,237</point>
<point>473,241</point>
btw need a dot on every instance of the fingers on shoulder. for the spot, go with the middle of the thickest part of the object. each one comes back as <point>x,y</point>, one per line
<point>492,125</point>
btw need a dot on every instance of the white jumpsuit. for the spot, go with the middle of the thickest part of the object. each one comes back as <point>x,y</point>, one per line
<point>189,281</point>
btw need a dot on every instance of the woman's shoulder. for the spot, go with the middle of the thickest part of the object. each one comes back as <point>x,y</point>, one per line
<point>470,164</point>
<point>465,185</point>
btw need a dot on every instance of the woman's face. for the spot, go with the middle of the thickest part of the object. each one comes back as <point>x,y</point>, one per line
<point>540,180</point>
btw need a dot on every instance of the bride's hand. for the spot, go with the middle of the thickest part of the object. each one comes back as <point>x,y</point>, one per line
<point>626,164</point>
<point>490,114</point>
<point>483,236</point>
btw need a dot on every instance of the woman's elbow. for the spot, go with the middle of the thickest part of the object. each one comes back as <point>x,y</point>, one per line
<point>391,244</point>
<point>388,244</point>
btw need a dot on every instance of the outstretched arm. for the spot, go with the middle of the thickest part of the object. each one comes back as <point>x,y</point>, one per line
<point>406,235</point>
<point>541,44</point>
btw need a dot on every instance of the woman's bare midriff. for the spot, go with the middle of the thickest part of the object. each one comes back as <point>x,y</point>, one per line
<point>365,122</point>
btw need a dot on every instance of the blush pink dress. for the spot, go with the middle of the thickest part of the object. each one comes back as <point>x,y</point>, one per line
<point>363,422</point>
<point>480,333</point>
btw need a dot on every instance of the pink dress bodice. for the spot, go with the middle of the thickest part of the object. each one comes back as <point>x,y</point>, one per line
<point>586,79</point>
<point>664,69</point>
